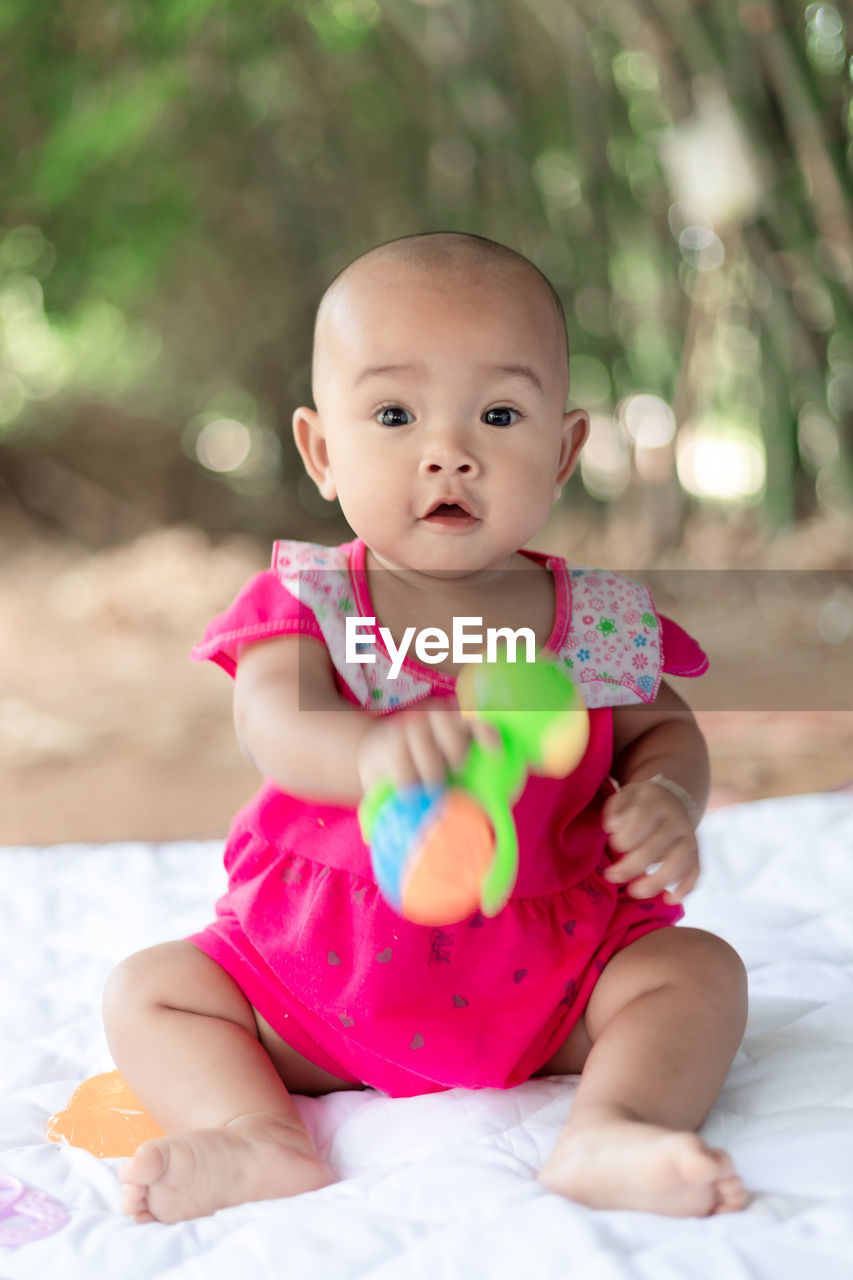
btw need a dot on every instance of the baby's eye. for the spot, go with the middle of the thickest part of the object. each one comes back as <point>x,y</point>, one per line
<point>501,412</point>
<point>389,409</point>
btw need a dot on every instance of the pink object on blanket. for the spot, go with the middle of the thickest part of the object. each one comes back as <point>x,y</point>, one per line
<point>26,1215</point>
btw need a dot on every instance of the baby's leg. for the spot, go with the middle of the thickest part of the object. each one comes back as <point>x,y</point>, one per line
<point>185,1039</point>
<point>665,1019</point>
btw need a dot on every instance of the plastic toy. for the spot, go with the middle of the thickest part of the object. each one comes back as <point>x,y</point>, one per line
<point>441,852</point>
<point>103,1117</point>
<point>25,1214</point>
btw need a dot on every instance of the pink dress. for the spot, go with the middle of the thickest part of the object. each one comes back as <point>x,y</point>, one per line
<point>303,929</point>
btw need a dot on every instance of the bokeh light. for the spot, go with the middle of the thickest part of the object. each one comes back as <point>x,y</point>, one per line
<point>223,445</point>
<point>647,420</point>
<point>606,459</point>
<point>825,46</point>
<point>720,461</point>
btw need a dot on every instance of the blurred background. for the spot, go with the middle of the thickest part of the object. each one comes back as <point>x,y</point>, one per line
<point>180,183</point>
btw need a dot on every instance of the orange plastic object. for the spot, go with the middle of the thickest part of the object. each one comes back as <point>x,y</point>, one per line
<point>103,1117</point>
<point>446,879</point>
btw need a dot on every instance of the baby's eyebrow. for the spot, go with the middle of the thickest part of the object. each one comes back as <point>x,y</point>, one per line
<point>512,370</point>
<point>375,370</point>
<point>519,371</point>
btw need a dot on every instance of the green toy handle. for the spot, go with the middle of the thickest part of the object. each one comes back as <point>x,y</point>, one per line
<point>371,803</point>
<point>492,776</point>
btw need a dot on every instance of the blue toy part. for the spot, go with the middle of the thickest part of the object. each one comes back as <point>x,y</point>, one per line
<point>397,834</point>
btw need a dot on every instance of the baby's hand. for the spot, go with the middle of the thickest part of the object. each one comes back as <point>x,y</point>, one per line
<point>651,828</point>
<point>420,745</point>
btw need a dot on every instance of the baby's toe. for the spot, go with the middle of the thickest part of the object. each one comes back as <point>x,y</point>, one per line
<point>134,1199</point>
<point>732,1195</point>
<point>137,1176</point>
<point>700,1163</point>
<point>146,1166</point>
<point>143,1217</point>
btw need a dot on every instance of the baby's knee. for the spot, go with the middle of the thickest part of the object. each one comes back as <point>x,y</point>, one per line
<point>174,977</point>
<point>143,980</point>
<point>710,961</point>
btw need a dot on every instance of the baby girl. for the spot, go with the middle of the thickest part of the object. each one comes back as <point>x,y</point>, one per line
<point>440,378</point>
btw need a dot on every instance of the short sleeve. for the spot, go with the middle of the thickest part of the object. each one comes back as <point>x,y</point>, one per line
<point>264,608</point>
<point>682,656</point>
<point>618,646</point>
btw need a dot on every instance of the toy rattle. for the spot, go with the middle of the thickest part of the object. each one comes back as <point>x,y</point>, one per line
<point>440,852</point>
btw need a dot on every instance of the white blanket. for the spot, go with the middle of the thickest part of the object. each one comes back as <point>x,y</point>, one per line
<point>444,1186</point>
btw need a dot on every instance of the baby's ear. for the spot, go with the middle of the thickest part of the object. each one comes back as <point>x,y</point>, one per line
<point>575,432</point>
<point>311,443</point>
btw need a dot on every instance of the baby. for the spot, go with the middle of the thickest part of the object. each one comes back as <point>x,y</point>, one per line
<point>440,379</point>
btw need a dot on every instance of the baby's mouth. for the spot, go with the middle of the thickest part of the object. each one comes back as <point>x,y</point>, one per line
<point>449,511</point>
<point>450,516</point>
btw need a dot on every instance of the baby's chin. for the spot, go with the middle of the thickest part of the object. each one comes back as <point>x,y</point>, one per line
<point>448,560</point>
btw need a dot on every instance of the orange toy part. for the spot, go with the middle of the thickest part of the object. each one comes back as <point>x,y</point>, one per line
<point>103,1117</point>
<point>444,884</point>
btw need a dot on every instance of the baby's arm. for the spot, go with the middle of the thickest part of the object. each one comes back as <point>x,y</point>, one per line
<point>645,821</point>
<point>295,727</point>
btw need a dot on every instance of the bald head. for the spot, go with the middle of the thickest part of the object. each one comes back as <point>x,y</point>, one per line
<point>445,259</point>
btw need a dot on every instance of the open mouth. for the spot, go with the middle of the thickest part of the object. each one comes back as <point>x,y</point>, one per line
<point>450,517</point>
<point>449,511</point>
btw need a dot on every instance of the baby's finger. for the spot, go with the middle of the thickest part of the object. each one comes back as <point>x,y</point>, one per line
<point>630,866</point>
<point>488,735</point>
<point>663,840</point>
<point>428,759</point>
<point>452,737</point>
<point>681,861</point>
<point>631,819</point>
<point>386,756</point>
<point>653,851</point>
<point>677,892</point>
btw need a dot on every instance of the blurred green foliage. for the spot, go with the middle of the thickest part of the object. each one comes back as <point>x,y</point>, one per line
<point>181,180</point>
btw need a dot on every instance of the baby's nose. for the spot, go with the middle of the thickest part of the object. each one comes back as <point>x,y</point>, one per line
<point>448,451</point>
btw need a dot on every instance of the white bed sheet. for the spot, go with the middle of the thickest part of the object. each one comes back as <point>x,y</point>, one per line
<point>444,1186</point>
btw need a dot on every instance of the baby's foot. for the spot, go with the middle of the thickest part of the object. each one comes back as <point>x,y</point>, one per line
<point>626,1164</point>
<point>189,1175</point>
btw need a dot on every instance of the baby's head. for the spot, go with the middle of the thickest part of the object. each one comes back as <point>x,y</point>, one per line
<point>440,378</point>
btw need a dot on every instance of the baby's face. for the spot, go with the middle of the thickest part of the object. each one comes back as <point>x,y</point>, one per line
<point>440,422</point>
